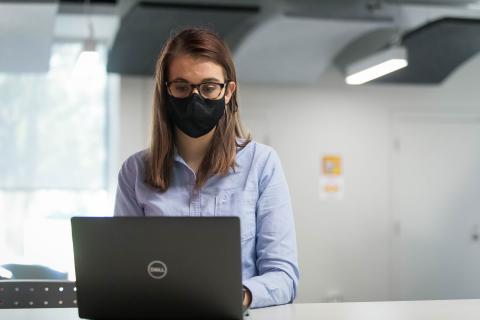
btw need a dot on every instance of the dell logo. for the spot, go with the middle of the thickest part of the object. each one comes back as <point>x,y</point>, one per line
<point>157,269</point>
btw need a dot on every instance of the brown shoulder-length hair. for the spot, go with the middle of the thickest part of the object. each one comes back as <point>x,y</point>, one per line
<point>221,156</point>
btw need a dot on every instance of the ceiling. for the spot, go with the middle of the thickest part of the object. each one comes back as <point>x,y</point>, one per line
<point>283,41</point>
<point>259,2</point>
<point>291,49</point>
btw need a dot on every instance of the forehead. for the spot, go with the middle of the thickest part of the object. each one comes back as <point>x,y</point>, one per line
<point>194,69</point>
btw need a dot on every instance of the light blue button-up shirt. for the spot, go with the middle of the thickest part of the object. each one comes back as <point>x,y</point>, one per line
<point>256,191</point>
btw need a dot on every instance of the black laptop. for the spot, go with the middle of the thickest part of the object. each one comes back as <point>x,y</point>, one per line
<point>158,267</point>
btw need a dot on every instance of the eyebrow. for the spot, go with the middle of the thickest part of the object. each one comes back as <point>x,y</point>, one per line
<point>203,80</point>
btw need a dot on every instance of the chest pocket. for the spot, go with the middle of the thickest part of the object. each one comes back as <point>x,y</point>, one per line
<point>241,204</point>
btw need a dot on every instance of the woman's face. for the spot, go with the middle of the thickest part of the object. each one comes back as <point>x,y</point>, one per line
<point>196,70</point>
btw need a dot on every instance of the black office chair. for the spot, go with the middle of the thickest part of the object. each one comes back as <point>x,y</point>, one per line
<point>34,286</point>
<point>34,271</point>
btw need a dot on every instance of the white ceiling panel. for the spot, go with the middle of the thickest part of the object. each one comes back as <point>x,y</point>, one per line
<point>26,34</point>
<point>75,26</point>
<point>295,50</point>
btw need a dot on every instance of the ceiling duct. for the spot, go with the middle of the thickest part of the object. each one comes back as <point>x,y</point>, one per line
<point>436,49</point>
<point>365,45</point>
<point>146,27</point>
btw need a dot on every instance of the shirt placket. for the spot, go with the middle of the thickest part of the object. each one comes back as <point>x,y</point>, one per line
<point>195,199</point>
<point>195,207</point>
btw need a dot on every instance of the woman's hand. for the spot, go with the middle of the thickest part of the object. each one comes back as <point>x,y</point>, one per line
<point>247,297</point>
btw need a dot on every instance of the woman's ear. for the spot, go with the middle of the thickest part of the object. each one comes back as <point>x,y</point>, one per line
<point>231,87</point>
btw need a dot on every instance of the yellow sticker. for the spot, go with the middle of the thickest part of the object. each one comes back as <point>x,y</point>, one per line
<point>332,165</point>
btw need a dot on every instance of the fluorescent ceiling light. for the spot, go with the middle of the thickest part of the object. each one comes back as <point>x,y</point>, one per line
<point>88,61</point>
<point>377,65</point>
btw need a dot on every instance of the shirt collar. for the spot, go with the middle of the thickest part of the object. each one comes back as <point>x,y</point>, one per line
<point>178,158</point>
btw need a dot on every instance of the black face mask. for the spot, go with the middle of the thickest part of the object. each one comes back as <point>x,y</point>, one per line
<point>194,115</point>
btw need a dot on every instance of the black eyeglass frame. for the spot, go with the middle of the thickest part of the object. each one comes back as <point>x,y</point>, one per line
<point>197,86</point>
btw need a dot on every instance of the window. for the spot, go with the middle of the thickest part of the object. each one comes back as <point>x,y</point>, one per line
<point>54,163</point>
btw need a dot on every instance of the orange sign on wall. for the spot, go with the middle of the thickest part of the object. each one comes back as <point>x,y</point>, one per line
<point>332,165</point>
<point>331,182</point>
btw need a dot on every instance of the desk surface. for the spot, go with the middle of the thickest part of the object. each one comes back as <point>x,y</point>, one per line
<point>391,310</point>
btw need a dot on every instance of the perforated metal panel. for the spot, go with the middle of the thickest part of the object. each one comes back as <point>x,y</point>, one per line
<point>37,294</point>
<point>436,50</point>
<point>144,30</point>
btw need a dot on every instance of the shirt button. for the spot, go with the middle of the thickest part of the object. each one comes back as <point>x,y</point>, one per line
<point>224,198</point>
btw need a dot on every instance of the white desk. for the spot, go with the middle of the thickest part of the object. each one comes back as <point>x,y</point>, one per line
<point>397,310</point>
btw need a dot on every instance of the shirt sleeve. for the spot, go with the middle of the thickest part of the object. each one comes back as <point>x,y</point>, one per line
<point>276,247</point>
<point>125,200</point>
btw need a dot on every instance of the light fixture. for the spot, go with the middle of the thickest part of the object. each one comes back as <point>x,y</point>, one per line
<point>377,65</point>
<point>89,59</point>
<point>381,62</point>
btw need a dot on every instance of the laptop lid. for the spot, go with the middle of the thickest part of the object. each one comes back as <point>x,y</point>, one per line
<point>158,267</point>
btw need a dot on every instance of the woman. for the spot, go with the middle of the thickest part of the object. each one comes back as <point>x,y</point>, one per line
<point>201,163</point>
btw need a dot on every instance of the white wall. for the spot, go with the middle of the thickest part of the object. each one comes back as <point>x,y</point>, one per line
<point>344,245</point>
<point>136,95</point>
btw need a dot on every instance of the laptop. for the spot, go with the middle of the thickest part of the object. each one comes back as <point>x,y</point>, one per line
<point>158,267</point>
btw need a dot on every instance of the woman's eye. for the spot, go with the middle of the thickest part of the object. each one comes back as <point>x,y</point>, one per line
<point>182,88</point>
<point>209,88</point>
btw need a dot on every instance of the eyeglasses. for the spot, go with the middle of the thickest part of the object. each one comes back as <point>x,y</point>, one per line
<point>182,89</point>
